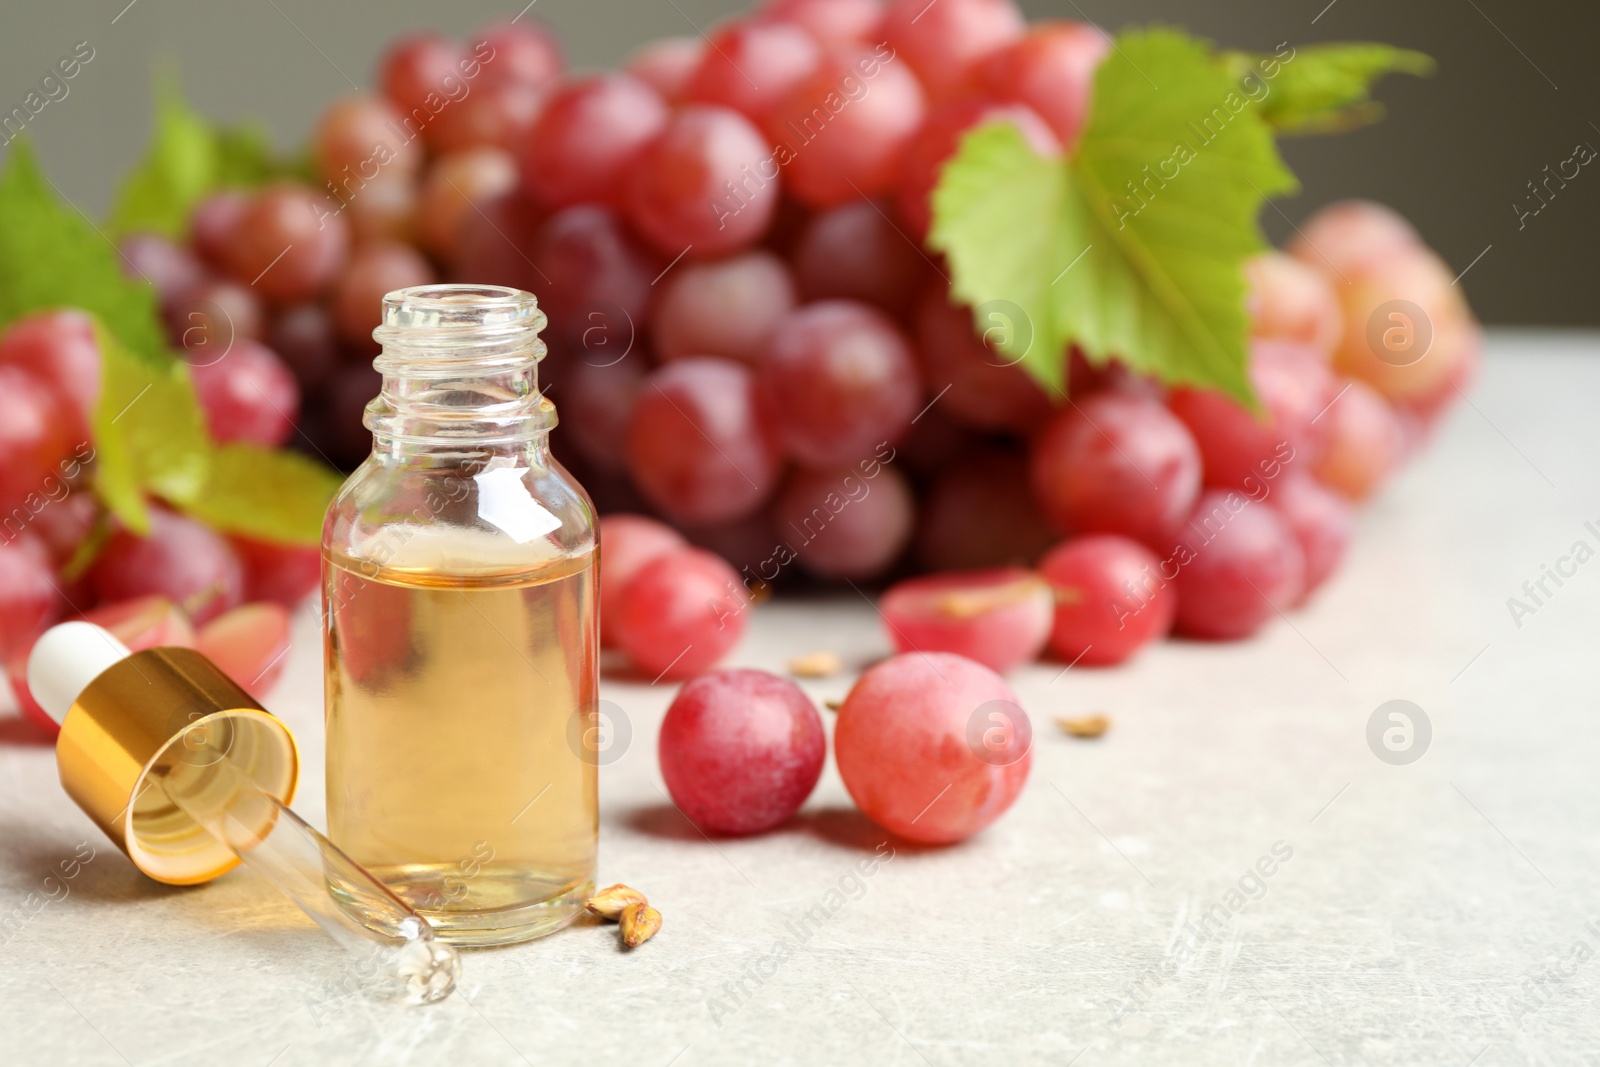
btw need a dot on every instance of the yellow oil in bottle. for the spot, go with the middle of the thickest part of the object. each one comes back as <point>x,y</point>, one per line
<point>456,713</point>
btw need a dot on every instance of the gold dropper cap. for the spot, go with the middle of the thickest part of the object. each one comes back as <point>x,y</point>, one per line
<point>160,720</point>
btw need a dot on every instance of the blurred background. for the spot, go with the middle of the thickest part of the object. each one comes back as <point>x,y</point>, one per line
<point>1456,153</point>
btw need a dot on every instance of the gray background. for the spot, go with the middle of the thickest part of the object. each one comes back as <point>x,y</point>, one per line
<point>1515,91</point>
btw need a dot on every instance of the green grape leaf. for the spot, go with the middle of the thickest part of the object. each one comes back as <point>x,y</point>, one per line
<point>1132,248</point>
<point>1325,88</point>
<point>266,493</point>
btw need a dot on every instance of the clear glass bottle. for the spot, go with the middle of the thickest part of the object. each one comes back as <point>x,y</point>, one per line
<point>459,629</point>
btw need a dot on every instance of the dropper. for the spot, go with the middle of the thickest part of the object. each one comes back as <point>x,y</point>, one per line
<point>190,776</point>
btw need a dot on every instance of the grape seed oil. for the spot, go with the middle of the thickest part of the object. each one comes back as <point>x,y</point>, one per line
<point>460,631</point>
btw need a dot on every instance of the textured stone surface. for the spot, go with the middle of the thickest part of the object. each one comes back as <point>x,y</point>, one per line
<point>1420,903</point>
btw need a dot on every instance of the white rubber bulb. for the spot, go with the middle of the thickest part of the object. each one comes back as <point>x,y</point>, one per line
<point>66,659</point>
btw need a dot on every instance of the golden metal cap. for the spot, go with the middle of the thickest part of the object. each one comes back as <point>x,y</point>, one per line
<point>164,718</point>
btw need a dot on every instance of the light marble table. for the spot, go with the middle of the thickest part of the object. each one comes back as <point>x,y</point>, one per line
<point>1432,913</point>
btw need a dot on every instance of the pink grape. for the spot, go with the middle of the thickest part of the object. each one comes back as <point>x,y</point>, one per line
<point>944,42</point>
<point>1365,442</point>
<point>375,270</point>
<point>679,195</point>
<point>941,136</point>
<point>741,750</point>
<point>250,643</point>
<point>288,243</point>
<point>28,597</point>
<point>1239,564</point>
<point>838,379</point>
<point>281,573</point>
<point>832,155</point>
<point>60,350</point>
<point>854,252</point>
<point>36,433</point>
<point>520,52</point>
<point>492,116</point>
<point>593,277</point>
<point>680,613</point>
<point>832,22</point>
<point>247,395</point>
<point>457,186</point>
<point>64,524</point>
<point>1000,617</point>
<point>213,224</point>
<point>1322,522</point>
<point>597,401</point>
<point>1117,463</point>
<point>589,138</point>
<point>304,338</point>
<point>904,745</point>
<point>666,65</point>
<point>844,523</point>
<point>979,513</point>
<point>1112,597</point>
<point>360,137</point>
<point>1290,301</point>
<point>417,66</point>
<point>180,559</point>
<point>1050,69</point>
<point>752,67</point>
<point>627,543</point>
<point>205,321</point>
<point>726,308</point>
<point>169,268</point>
<point>697,448</point>
<point>976,384</point>
<point>1352,235</point>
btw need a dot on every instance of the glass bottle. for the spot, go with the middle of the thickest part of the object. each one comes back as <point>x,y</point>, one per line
<point>459,629</point>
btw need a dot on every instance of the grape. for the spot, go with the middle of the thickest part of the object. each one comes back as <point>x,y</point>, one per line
<point>1321,521</point>
<point>944,42</point>
<point>752,67</point>
<point>832,22</point>
<point>838,379</point>
<point>374,271</point>
<point>741,750</point>
<point>59,349</point>
<point>998,617</point>
<point>594,280</point>
<point>904,746</point>
<point>1241,449</point>
<point>1352,235</point>
<point>357,139</point>
<point>493,116</point>
<point>65,524</point>
<point>833,154</point>
<point>384,210</point>
<point>288,243</point>
<point>986,388</point>
<point>352,388</point>
<point>1117,463</point>
<point>933,444</point>
<point>1112,597</point>
<point>36,433</point>
<point>169,268</point>
<point>1050,69</point>
<point>303,337</point>
<point>696,447</point>
<point>680,613</point>
<point>666,65</point>
<point>247,395</point>
<point>980,513</point>
<point>726,308</point>
<point>589,138</point>
<point>749,544</point>
<point>1365,442</point>
<point>493,242</point>
<point>938,140</point>
<point>853,252</point>
<point>846,523</point>
<point>707,183</point>
<point>28,597</point>
<point>520,53</point>
<point>597,405</point>
<point>280,573</point>
<point>1290,301</point>
<point>1238,565</point>
<point>206,321</point>
<point>213,224</point>
<point>180,559</point>
<point>250,644</point>
<point>627,543</point>
<point>415,67</point>
<point>457,186</point>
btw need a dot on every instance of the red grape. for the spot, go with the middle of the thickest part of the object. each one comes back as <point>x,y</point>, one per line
<point>288,243</point>
<point>846,523</point>
<point>829,21</point>
<point>589,138</point>
<point>58,349</point>
<point>594,280</point>
<point>205,321</point>
<point>752,66</point>
<point>458,185</point>
<point>976,384</point>
<point>416,67</point>
<point>520,53</point>
<point>357,139</point>
<point>36,434</point>
<point>1051,70</point>
<point>1365,441</point>
<point>980,513</point>
<point>727,308</point>
<point>384,210</point>
<point>840,134</point>
<point>697,448</point>
<point>998,617</point>
<point>28,597</point>
<point>492,116</point>
<point>853,252</point>
<point>250,643</point>
<point>1117,463</point>
<point>1291,301</point>
<point>627,542</point>
<point>347,396</point>
<point>680,613</point>
<point>1238,565</point>
<point>213,224</point>
<point>1322,522</point>
<point>247,395</point>
<point>282,573</point>
<point>169,268</point>
<point>932,746</point>
<point>1112,597</point>
<point>707,183</point>
<point>180,559</point>
<point>303,337</point>
<point>492,241</point>
<point>838,379</point>
<point>666,65</point>
<point>741,750</point>
<point>945,41</point>
<point>941,135</point>
<point>374,271</point>
<point>597,406</point>
<point>65,523</point>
